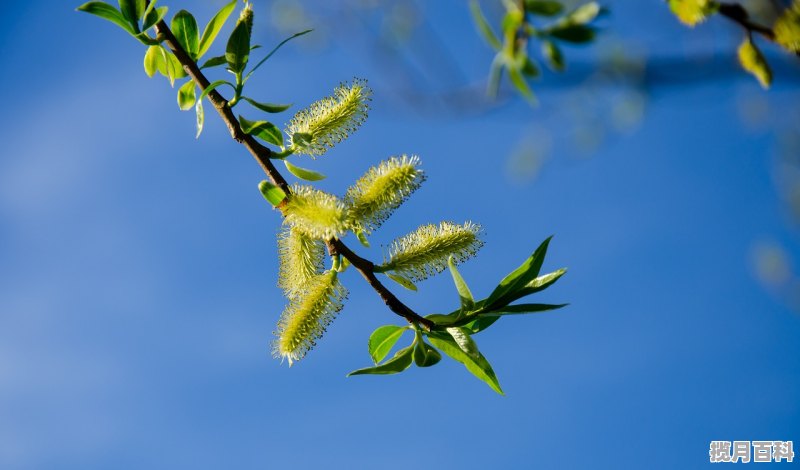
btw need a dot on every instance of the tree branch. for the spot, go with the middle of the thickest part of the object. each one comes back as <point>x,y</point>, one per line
<point>262,155</point>
<point>738,14</point>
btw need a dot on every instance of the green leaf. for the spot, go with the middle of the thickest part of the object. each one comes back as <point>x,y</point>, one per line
<point>362,238</point>
<point>481,323</point>
<point>186,96</point>
<point>483,25</point>
<point>467,301</point>
<point>274,50</point>
<point>577,34</point>
<point>529,68</point>
<point>237,52</point>
<point>495,74</point>
<point>273,194</point>
<point>129,11</point>
<point>153,16</point>
<point>151,58</point>
<point>543,7</point>
<point>400,362</point>
<point>753,61</point>
<point>477,365</point>
<point>523,308</point>
<point>463,340</point>
<point>539,284</point>
<point>264,130</point>
<point>213,27</point>
<point>184,27</point>
<point>212,86</point>
<point>518,278</point>
<point>303,173</point>
<point>267,107</point>
<point>214,62</point>
<point>425,355</point>
<point>201,117</point>
<point>584,13</point>
<point>383,339</point>
<point>403,281</point>
<point>169,66</point>
<point>555,59</point>
<point>107,12</point>
<point>521,85</point>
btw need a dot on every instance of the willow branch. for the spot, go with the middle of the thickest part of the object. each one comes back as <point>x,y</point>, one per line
<point>262,155</point>
<point>738,14</point>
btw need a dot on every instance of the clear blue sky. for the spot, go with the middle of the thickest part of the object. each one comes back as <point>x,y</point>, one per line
<point>138,265</point>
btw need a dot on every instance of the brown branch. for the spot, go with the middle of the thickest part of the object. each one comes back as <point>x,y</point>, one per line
<point>738,14</point>
<point>262,155</point>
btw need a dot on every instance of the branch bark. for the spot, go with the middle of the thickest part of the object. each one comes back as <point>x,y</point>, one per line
<point>262,155</point>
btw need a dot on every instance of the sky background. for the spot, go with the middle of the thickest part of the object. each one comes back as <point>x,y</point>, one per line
<point>138,265</point>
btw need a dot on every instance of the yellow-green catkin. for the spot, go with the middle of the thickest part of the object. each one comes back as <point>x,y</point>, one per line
<point>305,319</point>
<point>373,198</point>
<point>301,258</point>
<point>693,12</point>
<point>754,62</point>
<point>330,120</point>
<point>246,17</point>
<point>317,213</point>
<point>425,251</point>
<point>787,28</point>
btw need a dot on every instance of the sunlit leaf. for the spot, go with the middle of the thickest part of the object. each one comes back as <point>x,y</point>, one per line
<point>403,281</point>
<point>483,25</point>
<point>184,27</point>
<point>213,27</point>
<point>400,362</point>
<point>267,107</point>
<point>383,339</point>
<point>273,194</point>
<point>186,96</point>
<point>464,294</point>
<point>275,49</point>
<point>303,173</point>
<point>107,12</point>
<point>264,130</point>
<point>477,365</point>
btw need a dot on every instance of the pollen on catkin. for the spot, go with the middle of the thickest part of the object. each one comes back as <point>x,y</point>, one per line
<point>312,131</point>
<point>305,319</point>
<point>693,12</point>
<point>787,28</point>
<point>373,198</point>
<point>317,213</point>
<point>246,17</point>
<point>301,258</point>
<point>425,251</point>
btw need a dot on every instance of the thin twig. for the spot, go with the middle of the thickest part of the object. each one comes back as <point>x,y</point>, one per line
<point>262,155</point>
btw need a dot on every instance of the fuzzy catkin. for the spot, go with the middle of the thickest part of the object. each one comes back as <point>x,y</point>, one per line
<point>301,258</point>
<point>317,213</point>
<point>425,251</point>
<point>314,130</point>
<point>306,317</point>
<point>382,189</point>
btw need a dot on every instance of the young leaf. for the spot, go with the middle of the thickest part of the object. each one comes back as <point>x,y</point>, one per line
<point>574,33</point>
<point>214,62</point>
<point>463,340</point>
<point>584,13</point>
<point>153,16</point>
<point>467,301</point>
<point>518,278</point>
<point>477,365</point>
<point>529,68</point>
<point>383,339</point>
<point>400,362</point>
<point>237,52</point>
<point>523,308</point>
<point>303,173</point>
<point>543,7</point>
<point>362,238</point>
<point>201,117</point>
<point>521,85</point>
<point>186,96</point>
<point>213,27</point>
<point>274,50</point>
<point>483,25</point>
<point>267,107</point>
<point>425,355</point>
<point>403,281</point>
<point>273,194</point>
<point>107,12</point>
<point>131,11</point>
<point>539,284</point>
<point>481,323</point>
<point>151,58</point>
<point>184,27</point>
<point>214,85</point>
<point>264,130</point>
<point>754,62</point>
<point>555,59</point>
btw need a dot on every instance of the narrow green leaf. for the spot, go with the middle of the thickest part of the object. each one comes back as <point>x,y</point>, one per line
<point>577,34</point>
<point>555,59</point>
<point>463,340</point>
<point>214,62</point>
<point>212,86</point>
<point>237,52</point>
<point>543,7</point>
<point>495,74</point>
<point>107,12</point>
<point>128,9</point>
<point>425,355</point>
<point>264,130</point>
<point>186,96</point>
<point>481,323</point>
<point>467,301</point>
<point>274,50</point>
<point>267,107</point>
<point>303,173</point>
<point>151,58</point>
<point>201,117</point>
<point>483,25</point>
<point>529,68</point>
<point>584,13</point>
<point>213,27</point>
<point>523,308</point>
<point>362,238</point>
<point>383,339</point>
<point>442,320</point>
<point>478,366</point>
<point>403,281</point>
<point>539,284</point>
<point>400,362</point>
<point>153,16</point>
<point>184,27</point>
<point>518,278</point>
<point>273,194</point>
<point>521,85</point>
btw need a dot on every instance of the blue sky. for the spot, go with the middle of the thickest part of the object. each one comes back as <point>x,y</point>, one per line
<point>138,265</point>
